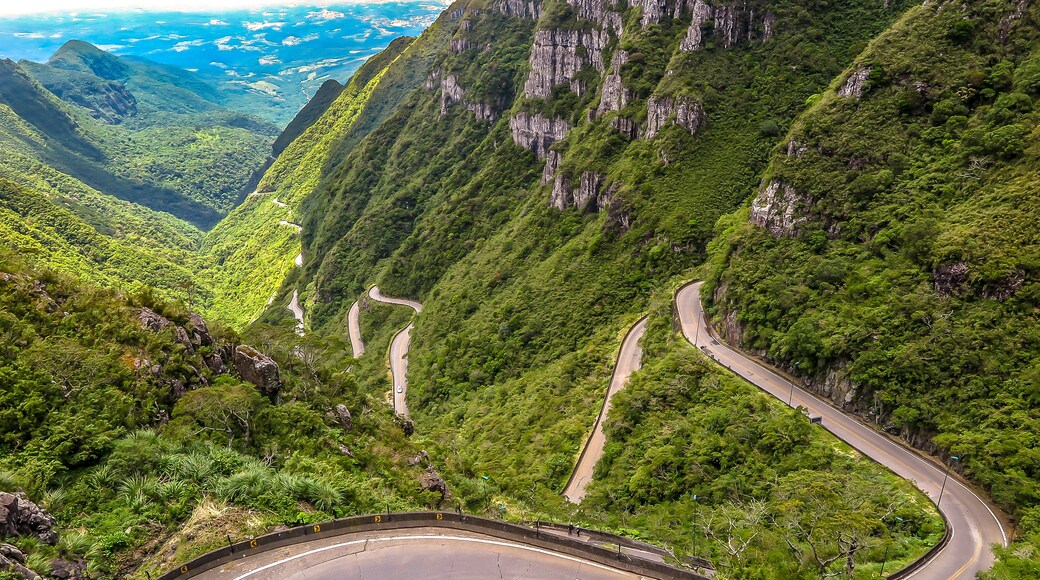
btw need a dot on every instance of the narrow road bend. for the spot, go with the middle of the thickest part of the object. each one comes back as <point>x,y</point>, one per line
<point>974,526</point>
<point>428,553</point>
<point>399,350</point>
<point>628,361</point>
<point>297,311</point>
<point>354,329</point>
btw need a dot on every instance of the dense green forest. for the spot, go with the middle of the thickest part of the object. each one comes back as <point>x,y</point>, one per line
<point>128,420</point>
<point>905,271</point>
<point>136,130</point>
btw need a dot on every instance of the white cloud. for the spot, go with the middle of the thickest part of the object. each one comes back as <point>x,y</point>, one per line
<point>254,26</point>
<point>325,14</point>
<point>269,60</point>
<point>216,22</point>
<point>218,65</point>
<point>294,40</point>
<point>185,45</point>
<point>29,35</point>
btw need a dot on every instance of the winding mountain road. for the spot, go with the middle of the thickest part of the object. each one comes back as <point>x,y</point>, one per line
<point>354,329</point>
<point>974,526</point>
<point>294,307</point>
<point>399,349</point>
<point>628,361</point>
<point>429,553</point>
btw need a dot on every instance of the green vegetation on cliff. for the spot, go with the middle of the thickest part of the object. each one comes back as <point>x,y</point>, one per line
<point>134,429</point>
<point>892,253</point>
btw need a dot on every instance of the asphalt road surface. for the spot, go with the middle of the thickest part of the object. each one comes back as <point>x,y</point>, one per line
<point>628,361</point>
<point>399,350</point>
<point>354,329</point>
<point>975,525</point>
<point>294,307</point>
<point>418,553</point>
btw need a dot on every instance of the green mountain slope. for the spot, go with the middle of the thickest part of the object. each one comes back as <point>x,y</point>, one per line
<point>890,256</point>
<point>137,130</point>
<point>116,417</point>
<point>559,162</point>
<point>255,247</point>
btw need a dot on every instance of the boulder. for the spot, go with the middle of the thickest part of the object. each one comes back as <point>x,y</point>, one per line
<point>68,570</point>
<point>200,335</point>
<point>150,320</point>
<point>11,562</point>
<point>405,424</point>
<point>345,419</point>
<point>258,368</point>
<point>21,517</point>
<point>430,480</point>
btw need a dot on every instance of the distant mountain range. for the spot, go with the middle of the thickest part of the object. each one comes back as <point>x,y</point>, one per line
<point>269,62</point>
<point>124,126</point>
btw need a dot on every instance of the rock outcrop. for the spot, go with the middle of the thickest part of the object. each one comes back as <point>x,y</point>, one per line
<point>729,24</point>
<point>537,133</point>
<point>453,93</point>
<point>258,368</point>
<point>775,208</point>
<point>519,8</point>
<point>854,85</point>
<point>460,45</point>
<point>598,11</point>
<point>558,55</point>
<point>345,419</point>
<point>589,194</point>
<point>685,112</point>
<point>12,561</point>
<point>23,518</point>
<point>614,96</point>
<point>430,480</point>
<point>151,320</point>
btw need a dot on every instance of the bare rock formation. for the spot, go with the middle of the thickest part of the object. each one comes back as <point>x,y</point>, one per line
<point>537,133</point>
<point>776,208</point>
<point>685,112</point>
<point>258,368</point>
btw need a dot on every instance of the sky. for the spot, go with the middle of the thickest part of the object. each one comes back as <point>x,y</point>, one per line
<point>14,8</point>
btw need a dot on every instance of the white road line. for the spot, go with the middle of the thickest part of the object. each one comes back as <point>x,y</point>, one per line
<point>452,538</point>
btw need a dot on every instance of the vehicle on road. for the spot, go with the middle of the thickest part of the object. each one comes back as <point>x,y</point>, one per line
<point>400,389</point>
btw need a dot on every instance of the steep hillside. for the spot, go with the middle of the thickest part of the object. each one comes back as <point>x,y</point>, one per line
<point>150,436</point>
<point>890,255</point>
<point>559,162</point>
<point>256,246</point>
<point>549,174</point>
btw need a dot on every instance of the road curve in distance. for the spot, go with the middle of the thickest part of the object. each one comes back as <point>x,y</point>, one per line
<point>628,361</point>
<point>294,307</point>
<point>399,350</point>
<point>428,553</point>
<point>974,525</point>
<point>354,329</point>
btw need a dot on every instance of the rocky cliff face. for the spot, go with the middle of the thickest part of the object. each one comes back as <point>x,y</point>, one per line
<point>588,195</point>
<point>683,111</point>
<point>558,55</point>
<point>729,24</point>
<point>598,11</point>
<point>537,133</point>
<point>530,9</point>
<point>453,93</point>
<point>107,101</point>
<point>776,208</point>
<point>854,85</point>
<point>613,95</point>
